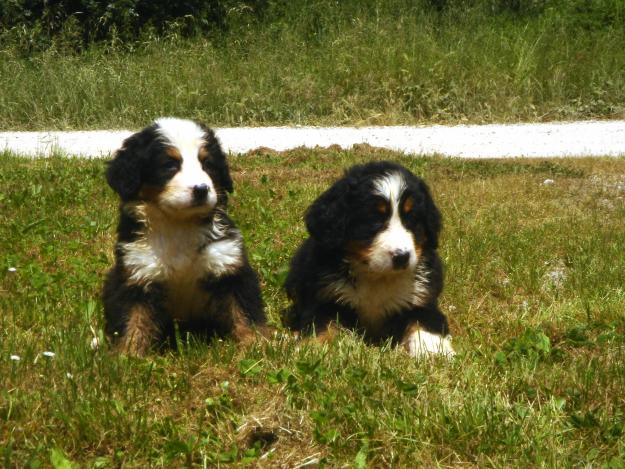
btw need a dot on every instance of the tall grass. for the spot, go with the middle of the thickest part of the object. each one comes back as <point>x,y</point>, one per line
<point>380,63</point>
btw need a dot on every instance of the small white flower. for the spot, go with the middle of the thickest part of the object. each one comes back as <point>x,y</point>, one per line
<point>69,375</point>
<point>48,354</point>
<point>12,269</point>
<point>556,277</point>
<point>95,343</point>
<point>548,182</point>
<point>15,358</point>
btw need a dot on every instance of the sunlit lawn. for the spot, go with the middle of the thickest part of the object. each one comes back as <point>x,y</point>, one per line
<point>535,277</point>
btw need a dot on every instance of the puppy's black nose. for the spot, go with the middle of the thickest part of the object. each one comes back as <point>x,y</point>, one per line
<point>400,259</point>
<point>200,192</point>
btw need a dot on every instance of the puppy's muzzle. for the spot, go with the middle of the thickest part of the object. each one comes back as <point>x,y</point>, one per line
<point>200,193</point>
<point>400,259</point>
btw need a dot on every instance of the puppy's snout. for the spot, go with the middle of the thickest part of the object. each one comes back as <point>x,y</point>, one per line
<point>400,259</point>
<point>200,192</point>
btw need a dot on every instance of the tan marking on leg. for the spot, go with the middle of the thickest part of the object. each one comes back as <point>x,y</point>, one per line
<point>410,329</point>
<point>140,332</point>
<point>242,330</point>
<point>328,334</point>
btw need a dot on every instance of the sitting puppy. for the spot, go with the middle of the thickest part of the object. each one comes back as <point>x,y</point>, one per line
<point>370,262</point>
<point>178,257</point>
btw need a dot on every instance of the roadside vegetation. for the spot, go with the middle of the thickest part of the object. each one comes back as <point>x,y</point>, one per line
<point>535,277</point>
<point>230,63</point>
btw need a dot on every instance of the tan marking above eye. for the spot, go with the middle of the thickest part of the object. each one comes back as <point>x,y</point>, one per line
<point>202,154</point>
<point>174,153</point>
<point>382,207</point>
<point>408,204</point>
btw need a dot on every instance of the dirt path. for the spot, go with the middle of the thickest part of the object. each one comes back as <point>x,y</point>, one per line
<point>589,138</point>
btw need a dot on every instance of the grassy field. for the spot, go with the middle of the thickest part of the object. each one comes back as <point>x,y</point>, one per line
<point>333,63</point>
<point>535,279</point>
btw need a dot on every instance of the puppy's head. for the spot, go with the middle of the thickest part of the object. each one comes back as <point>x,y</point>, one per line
<point>380,215</point>
<point>175,164</point>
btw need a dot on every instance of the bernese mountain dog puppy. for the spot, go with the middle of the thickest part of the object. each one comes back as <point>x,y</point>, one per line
<point>370,263</point>
<point>178,258</point>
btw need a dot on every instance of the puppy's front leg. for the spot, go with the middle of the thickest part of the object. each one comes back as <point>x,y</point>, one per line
<point>420,343</point>
<point>140,333</point>
<point>135,321</point>
<point>239,307</point>
<point>243,331</point>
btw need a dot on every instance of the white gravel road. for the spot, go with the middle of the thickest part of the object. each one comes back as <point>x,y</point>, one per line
<point>588,138</point>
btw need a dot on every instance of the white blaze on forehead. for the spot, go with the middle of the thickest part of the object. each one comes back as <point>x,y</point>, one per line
<point>390,186</point>
<point>185,135</point>
<point>187,138</point>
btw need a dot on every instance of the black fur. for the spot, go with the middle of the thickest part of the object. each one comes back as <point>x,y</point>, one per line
<point>142,166</point>
<point>345,214</point>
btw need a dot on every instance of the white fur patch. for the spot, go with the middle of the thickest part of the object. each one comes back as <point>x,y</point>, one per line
<point>182,133</point>
<point>390,186</point>
<point>180,252</point>
<point>422,343</point>
<point>188,138</point>
<point>395,238</point>
<point>220,257</point>
<point>376,297</point>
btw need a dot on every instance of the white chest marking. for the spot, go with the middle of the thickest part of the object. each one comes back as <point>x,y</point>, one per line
<point>180,253</point>
<point>376,297</point>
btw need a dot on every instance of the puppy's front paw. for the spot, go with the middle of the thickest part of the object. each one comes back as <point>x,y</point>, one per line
<point>421,343</point>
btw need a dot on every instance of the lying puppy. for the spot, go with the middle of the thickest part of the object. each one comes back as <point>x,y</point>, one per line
<point>370,262</point>
<point>178,257</point>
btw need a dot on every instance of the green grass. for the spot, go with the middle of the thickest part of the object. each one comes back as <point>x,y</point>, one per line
<point>538,379</point>
<point>399,63</point>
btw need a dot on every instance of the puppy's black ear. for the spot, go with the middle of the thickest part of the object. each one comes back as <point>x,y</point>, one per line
<point>124,170</point>
<point>219,163</point>
<point>327,218</point>
<point>432,219</point>
<point>219,157</point>
<point>225,178</point>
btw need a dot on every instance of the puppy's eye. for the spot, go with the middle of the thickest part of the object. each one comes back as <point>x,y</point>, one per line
<point>407,205</point>
<point>381,206</point>
<point>205,158</point>
<point>171,164</point>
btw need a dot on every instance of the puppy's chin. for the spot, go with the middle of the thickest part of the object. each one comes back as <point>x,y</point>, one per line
<point>372,269</point>
<point>185,211</point>
<point>184,207</point>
